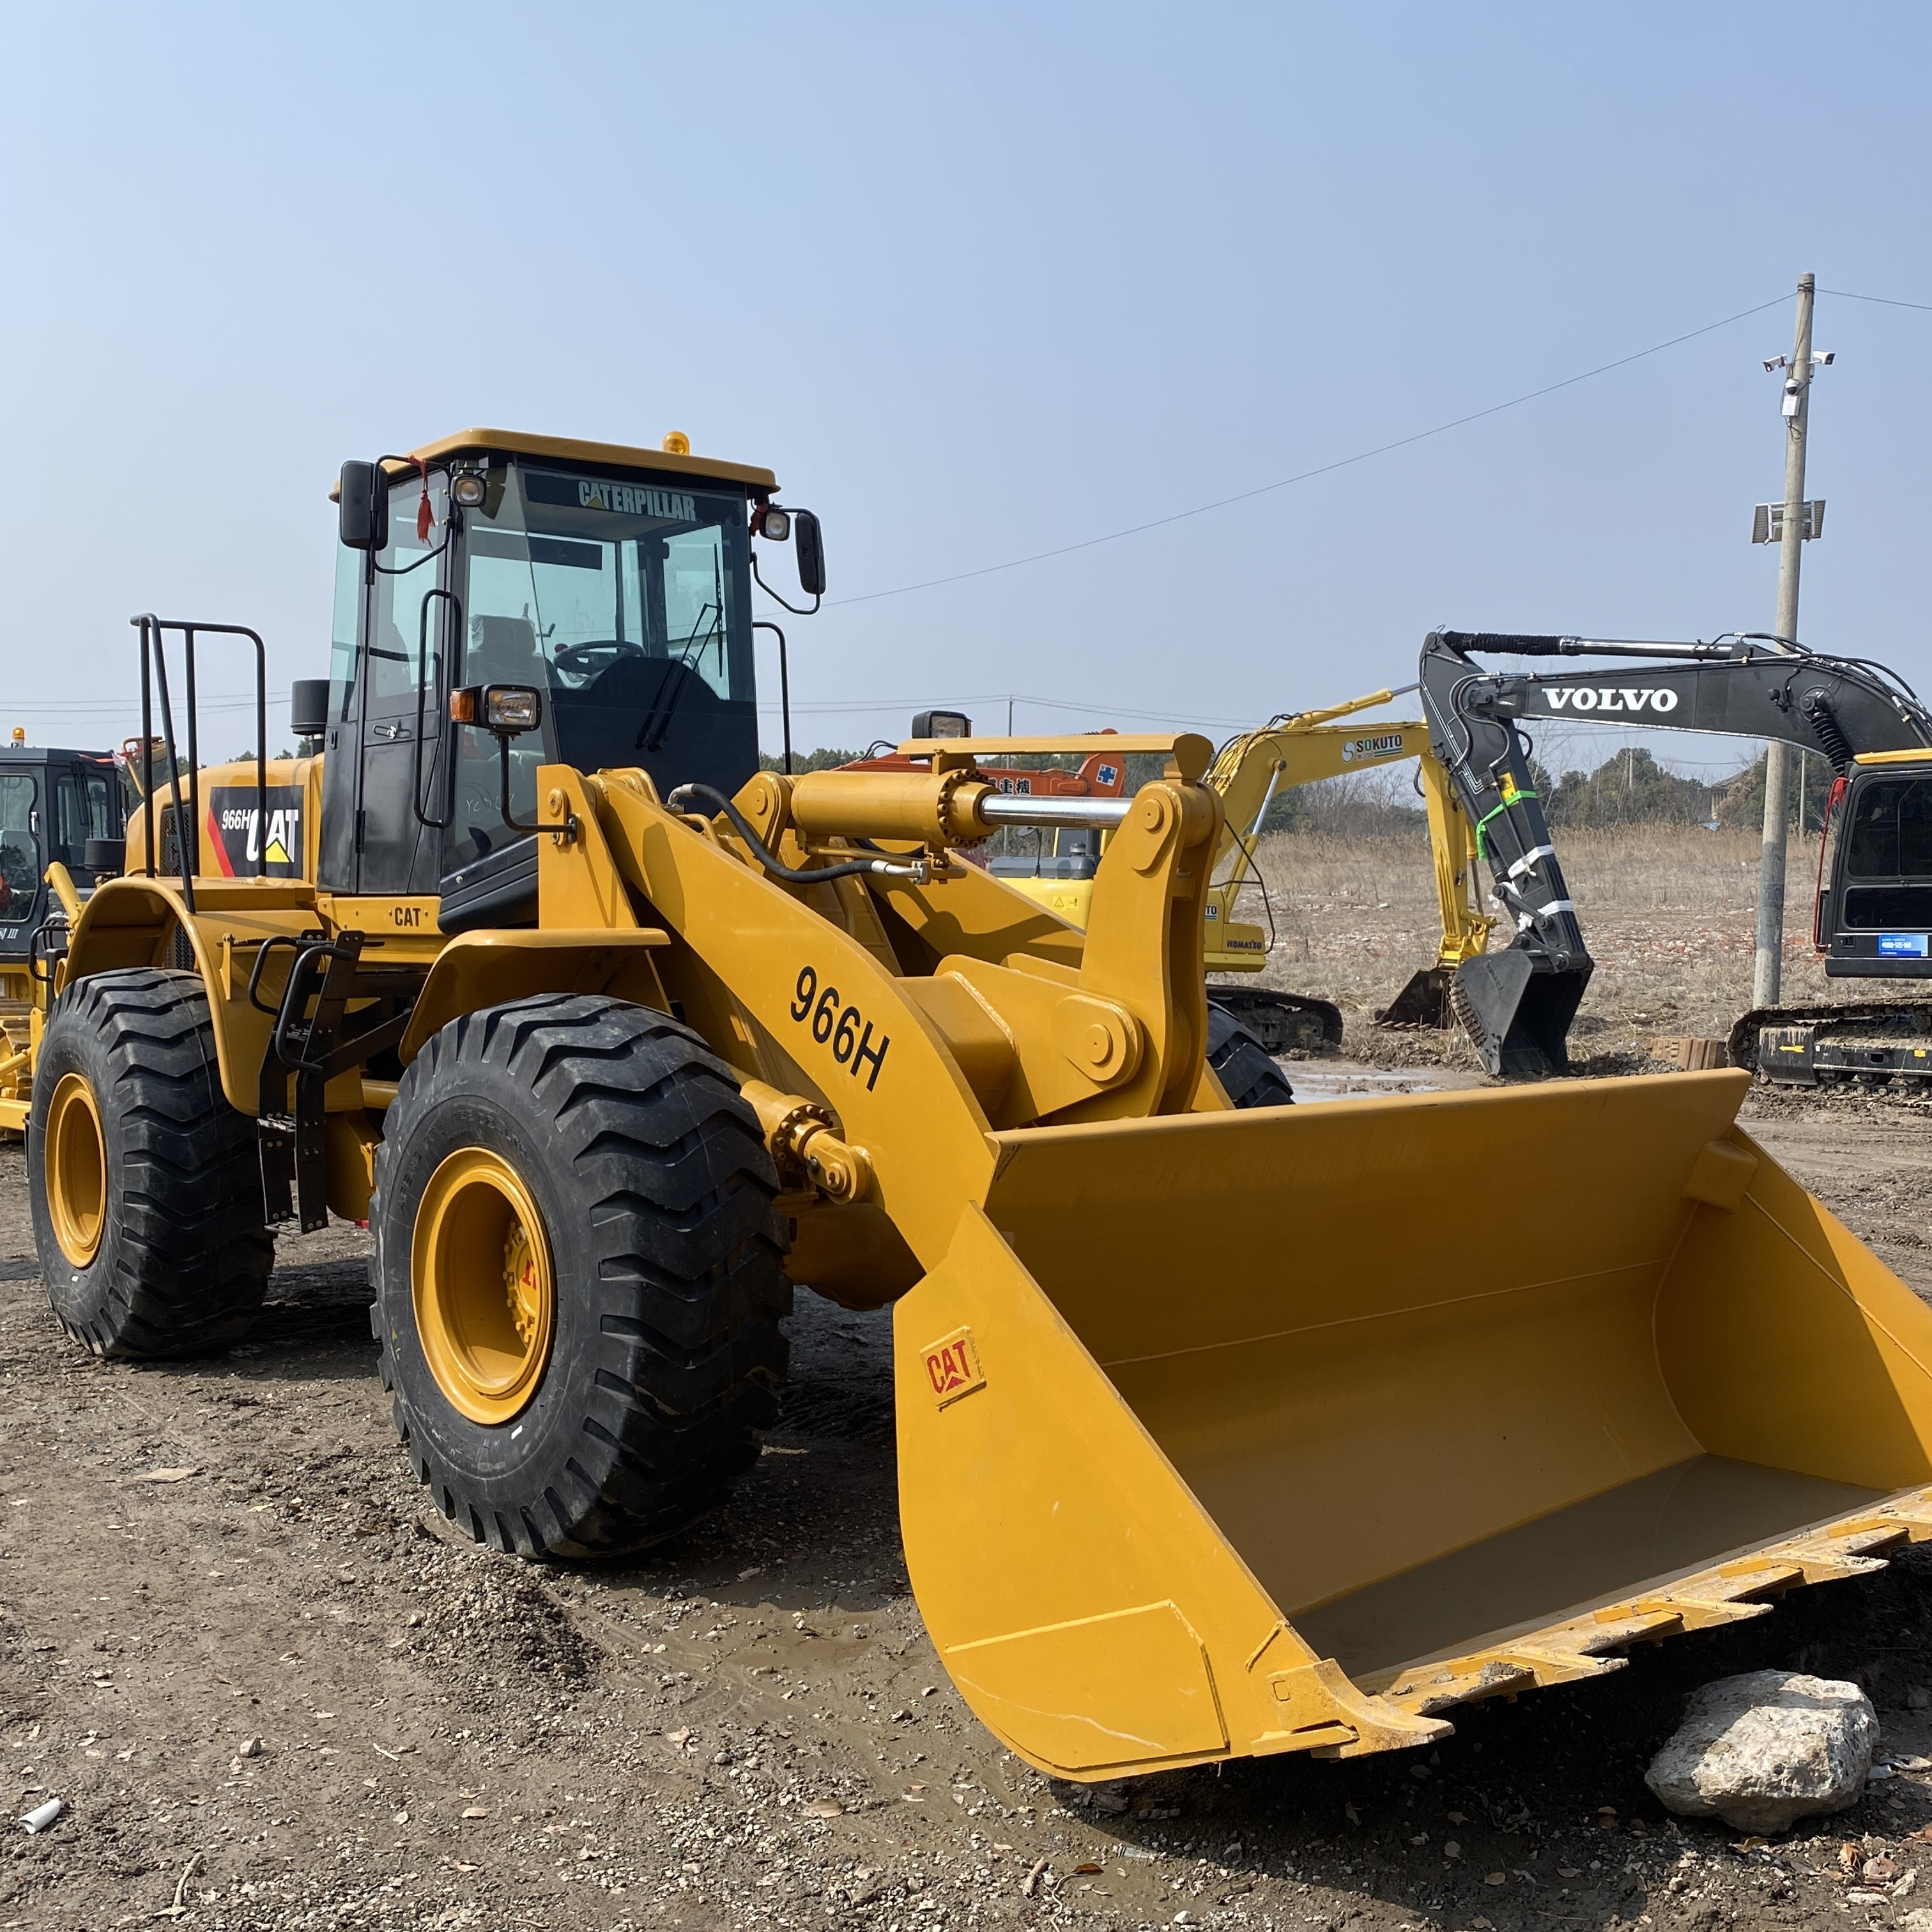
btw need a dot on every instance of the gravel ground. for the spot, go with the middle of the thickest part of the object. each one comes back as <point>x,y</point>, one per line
<point>275,1689</point>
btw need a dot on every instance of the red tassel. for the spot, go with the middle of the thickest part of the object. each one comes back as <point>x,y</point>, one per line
<point>422,508</point>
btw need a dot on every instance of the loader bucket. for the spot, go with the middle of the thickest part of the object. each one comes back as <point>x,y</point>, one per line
<point>1517,1018</point>
<point>1217,1439</point>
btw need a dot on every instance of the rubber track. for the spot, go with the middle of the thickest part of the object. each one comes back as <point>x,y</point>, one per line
<point>669,1163</point>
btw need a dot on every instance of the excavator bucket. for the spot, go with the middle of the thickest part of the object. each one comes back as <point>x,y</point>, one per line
<point>1424,1001</point>
<point>1517,1017</point>
<point>1242,1456</point>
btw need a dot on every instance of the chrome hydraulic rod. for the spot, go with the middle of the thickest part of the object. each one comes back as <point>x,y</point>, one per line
<point>1008,807</point>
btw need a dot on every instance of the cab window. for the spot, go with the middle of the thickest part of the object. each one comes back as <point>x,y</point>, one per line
<point>85,810</point>
<point>20,867</point>
<point>342,632</point>
<point>1890,834</point>
<point>402,649</point>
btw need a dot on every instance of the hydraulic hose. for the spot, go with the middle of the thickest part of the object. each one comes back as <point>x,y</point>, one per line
<point>717,804</point>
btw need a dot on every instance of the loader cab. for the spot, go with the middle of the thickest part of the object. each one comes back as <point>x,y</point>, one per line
<point>616,583</point>
<point>1874,915</point>
<point>56,807</point>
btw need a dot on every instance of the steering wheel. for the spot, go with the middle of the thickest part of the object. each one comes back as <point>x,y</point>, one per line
<point>590,659</point>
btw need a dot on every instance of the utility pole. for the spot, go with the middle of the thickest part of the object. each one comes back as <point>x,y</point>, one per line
<point>1768,969</point>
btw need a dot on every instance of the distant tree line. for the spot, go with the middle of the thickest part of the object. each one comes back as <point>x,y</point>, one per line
<point>822,759</point>
<point>1630,787</point>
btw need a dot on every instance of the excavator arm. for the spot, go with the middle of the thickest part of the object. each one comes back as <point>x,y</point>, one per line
<point>1517,1003</point>
<point>1299,749</point>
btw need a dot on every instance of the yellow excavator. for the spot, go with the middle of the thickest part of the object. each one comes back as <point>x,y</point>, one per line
<point>1207,1449</point>
<point>1248,773</point>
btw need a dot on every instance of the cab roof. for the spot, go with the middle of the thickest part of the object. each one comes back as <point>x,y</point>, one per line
<point>42,755</point>
<point>604,455</point>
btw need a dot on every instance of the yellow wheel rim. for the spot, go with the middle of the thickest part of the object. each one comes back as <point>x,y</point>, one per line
<point>76,1161</point>
<point>481,1279</point>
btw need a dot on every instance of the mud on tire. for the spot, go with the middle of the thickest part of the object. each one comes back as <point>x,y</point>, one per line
<point>181,1256</point>
<point>655,1190</point>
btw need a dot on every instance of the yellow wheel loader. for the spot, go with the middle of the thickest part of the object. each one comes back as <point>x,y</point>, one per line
<point>61,820</point>
<point>1208,1446</point>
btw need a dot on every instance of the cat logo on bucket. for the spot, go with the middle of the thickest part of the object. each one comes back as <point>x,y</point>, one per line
<point>952,1367</point>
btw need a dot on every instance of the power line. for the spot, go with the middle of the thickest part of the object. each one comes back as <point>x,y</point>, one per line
<point>1884,301</point>
<point>1322,469</point>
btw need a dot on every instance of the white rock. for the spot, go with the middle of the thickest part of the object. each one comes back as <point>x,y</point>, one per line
<point>1762,1750</point>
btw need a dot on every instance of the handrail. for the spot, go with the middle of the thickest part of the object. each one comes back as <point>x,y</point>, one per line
<point>154,670</point>
<point>424,659</point>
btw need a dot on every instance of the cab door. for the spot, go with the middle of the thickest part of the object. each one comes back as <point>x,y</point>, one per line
<point>22,859</point>
<point>1878,869</point>
<point>404,691</point>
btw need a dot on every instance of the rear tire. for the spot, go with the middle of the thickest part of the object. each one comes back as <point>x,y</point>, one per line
<point>1242,1065</point>
<point>145,1189</point>
<point>589,1385</point>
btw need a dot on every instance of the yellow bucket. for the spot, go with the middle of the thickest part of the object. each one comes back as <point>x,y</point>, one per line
<point>1224,1435</point>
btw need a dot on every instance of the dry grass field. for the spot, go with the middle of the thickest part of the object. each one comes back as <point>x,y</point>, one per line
<point>1669,914</point>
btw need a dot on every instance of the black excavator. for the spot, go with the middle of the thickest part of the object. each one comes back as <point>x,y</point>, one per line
<point>1873,914</point>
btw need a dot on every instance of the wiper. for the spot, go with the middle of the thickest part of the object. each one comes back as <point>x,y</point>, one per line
<point>651,733</point>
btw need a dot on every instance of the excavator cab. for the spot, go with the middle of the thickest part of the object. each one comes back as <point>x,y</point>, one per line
<point>622,599</point>
<point>1874,915</point>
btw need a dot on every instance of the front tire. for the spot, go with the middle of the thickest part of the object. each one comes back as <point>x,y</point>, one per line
<point>146,1192</point>
<point>579,1275</point>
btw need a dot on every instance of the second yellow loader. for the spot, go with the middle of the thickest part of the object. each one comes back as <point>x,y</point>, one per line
<point>1214,1440</point>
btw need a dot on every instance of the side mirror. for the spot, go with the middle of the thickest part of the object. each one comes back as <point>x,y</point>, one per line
<point>362,502</point>
<point>308,707</point>
<point>811,552</point>
<point>506,710</point>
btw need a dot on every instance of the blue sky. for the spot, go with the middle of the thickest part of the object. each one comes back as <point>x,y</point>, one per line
<point>978,283</point>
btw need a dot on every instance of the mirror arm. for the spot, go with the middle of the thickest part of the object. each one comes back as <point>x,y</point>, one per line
<point>503,762</point>
<point>796,610</point>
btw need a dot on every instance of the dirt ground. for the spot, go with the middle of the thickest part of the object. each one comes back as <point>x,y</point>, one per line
<point>275,1690</point>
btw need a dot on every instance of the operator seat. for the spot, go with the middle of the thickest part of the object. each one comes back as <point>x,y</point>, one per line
<point>503,650</point>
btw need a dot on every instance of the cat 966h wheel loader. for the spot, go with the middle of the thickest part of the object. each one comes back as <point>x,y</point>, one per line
<point>1205,1449</point>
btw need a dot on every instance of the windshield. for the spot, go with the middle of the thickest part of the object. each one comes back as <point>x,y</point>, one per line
<point>20,865</point>
<point>628,605</point>
<point>1892,830</point>
<point>572,576</point>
